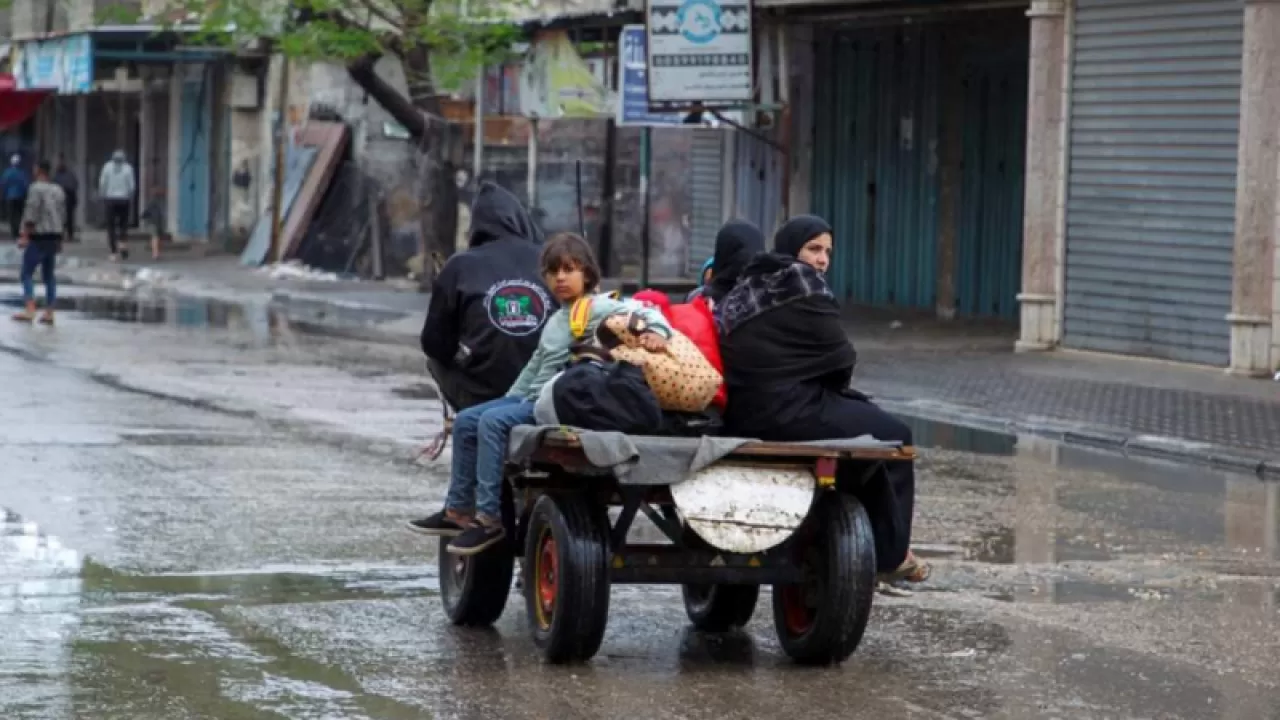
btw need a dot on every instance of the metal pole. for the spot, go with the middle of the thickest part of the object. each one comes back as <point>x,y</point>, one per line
<point>644,197</point>
<point>606,205</point>
<point>532,178</point>
<point>477,141</point>
<point>277,188</point>
<point>582,221</point>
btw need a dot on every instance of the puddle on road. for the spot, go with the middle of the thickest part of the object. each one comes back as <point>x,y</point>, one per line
<point>932,434</point>
<point>30,558</point>
<point>266,324</point>
<point>74,629</point>
<point>417,391</point>
<point>272,585</point>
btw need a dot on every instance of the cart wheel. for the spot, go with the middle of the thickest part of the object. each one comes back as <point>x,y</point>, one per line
<point>821,621</point>
<point>475,587</point>
<point>717,608</point>
<point>566,566</point>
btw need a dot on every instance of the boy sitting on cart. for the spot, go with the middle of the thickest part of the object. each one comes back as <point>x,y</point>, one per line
<point>472,513</point>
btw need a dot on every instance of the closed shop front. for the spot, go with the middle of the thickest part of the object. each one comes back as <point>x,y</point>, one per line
<point>1155,105</point>
<point>919,148</point>
<point>706,193</point>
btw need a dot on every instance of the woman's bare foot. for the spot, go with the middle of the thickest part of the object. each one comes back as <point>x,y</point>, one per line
<point>46,318</point>
<point>912,570</point>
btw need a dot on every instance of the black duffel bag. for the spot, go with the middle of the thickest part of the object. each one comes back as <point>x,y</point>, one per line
<point>595,395</point>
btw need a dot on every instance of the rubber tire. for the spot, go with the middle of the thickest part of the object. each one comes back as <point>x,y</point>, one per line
<point>720,608</point>
<point>581,611</point>
<point>846,577</point>
<point>480,596</point>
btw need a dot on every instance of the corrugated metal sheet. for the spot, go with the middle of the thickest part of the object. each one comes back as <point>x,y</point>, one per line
<point>759,185</point>
<point>707,193</point>
<point>989,242</point>
<point>1151,195</point>
<point>875,166</point>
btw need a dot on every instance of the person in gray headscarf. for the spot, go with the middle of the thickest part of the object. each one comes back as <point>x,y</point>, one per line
<point>116,187</point>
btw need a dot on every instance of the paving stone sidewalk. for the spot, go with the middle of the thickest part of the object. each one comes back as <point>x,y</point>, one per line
<point>1142,406</point>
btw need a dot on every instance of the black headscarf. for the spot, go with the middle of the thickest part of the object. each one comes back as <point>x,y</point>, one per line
<point>791,237</point>
<point>736,244</point>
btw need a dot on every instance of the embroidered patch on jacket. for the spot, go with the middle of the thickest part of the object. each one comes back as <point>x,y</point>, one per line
<point>517,307</point>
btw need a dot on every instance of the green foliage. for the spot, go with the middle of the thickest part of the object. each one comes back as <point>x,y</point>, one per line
<point>458,35</point>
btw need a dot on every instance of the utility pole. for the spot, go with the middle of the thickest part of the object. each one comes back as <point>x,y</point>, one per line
<point>277,188</point>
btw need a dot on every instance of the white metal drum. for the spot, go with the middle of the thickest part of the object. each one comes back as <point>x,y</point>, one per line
<point>745,508</point>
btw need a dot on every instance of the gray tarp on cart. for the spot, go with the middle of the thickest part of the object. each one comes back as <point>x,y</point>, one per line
<point>655,460</point>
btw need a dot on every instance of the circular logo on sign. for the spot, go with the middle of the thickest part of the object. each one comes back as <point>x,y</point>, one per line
<point>699,21</point>
<point>517,307</point>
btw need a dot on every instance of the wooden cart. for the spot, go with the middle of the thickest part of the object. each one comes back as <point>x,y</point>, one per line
<point>774,514</point>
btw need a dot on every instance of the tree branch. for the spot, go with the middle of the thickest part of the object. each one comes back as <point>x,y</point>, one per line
<point>400,107</point>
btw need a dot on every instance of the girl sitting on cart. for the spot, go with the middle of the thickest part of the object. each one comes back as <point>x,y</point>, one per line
<point>472,513</point>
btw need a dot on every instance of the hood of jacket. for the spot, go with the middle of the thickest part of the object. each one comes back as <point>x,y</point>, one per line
<point>498,215</point>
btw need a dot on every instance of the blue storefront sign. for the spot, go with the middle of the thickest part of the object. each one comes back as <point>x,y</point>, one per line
<point>63,64</point>
<point>633,83</point>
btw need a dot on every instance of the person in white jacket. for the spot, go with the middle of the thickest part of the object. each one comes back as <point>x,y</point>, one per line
<point>116,186</point>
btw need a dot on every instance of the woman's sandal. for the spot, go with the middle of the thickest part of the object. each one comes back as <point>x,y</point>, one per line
<point>912,570</point>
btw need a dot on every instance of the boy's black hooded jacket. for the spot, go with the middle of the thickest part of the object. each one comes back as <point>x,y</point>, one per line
<point>489,305</point>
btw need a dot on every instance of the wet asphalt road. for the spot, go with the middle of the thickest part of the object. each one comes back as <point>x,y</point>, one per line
<point>204,522</point>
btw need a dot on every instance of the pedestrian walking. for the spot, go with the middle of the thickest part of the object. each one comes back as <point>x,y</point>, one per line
<point>14,181</point>
<point>155,214</point>
<point>42,228</point>
<point>116,186</point>
<point>65,179</point>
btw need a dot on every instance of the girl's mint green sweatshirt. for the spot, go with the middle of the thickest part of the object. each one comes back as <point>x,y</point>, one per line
<point>557,338</point>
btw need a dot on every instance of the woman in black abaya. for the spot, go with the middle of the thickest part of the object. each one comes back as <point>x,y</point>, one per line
<point>788,363</point>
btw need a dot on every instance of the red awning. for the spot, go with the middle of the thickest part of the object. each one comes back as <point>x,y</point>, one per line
<point>17,105</point>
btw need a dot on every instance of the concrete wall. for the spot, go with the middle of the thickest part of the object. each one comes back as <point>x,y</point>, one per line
<point>22,17</point>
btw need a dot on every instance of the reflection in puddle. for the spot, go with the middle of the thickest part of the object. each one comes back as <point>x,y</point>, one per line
<point>287,584</point>
<point>932,434</point>
<point>40,592</point>
<point>992,546</point>
<point>70,627</point>
<point>418,391</point>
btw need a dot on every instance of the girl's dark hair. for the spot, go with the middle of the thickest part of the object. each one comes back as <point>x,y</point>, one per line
<point>571,250</point>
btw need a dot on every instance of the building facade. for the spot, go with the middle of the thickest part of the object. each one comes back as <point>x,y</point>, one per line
<point>1104,172</point>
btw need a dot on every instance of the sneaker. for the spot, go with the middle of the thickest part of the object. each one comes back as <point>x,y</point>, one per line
<point>477,539</point>
<point>438,524</point>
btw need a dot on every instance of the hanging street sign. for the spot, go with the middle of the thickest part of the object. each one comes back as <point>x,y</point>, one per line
<point>633,83</point>
<point>699,53</point>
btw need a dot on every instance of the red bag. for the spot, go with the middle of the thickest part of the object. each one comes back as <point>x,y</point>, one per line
<point>694,321</point>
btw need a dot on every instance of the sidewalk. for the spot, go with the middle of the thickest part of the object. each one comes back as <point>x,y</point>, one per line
<point>958,372</point>
<point>970,376</point>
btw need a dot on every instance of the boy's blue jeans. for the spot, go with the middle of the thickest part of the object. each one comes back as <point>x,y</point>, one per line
<point>480,436</point>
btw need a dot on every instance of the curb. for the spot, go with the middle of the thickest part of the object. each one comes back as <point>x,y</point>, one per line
<point>1103,438</point>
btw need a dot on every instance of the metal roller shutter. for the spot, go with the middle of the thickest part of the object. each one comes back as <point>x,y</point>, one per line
<point>1155,113</point>
<point>706,191</point>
